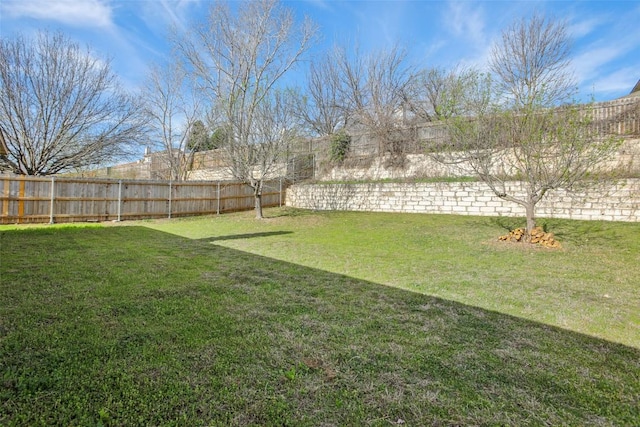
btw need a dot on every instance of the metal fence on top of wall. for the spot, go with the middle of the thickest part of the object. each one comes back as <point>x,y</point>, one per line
<point>26,199</point>
<point>619,117</point>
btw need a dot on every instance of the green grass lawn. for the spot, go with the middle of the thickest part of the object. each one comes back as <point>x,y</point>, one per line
<point>591,286</point>
<point>319,319</point>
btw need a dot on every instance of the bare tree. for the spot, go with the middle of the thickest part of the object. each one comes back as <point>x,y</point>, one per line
<point>265,154</point>
<point>172,111</point>
<point>372,90</point>
<point>431,91</point>
<point>521,137</point>
<point>61,108</point>
<point>239,59</point>
<point>531,63</point>
<point>322,108</point>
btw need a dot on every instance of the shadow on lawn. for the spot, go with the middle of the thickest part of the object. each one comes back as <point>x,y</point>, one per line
<point>246,236</point>
<point>212,335</point>
<point>565,230</point>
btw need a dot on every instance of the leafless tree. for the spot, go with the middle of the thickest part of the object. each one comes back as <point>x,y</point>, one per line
<point>372,89</point>
<point>265,154</point>
<point>522,137</point>
<point>431,91</point>
<point>61,107</point>
<point>173,112</point>
<point>531,63</point>
<point>238,59</point>
<point>322,107</point>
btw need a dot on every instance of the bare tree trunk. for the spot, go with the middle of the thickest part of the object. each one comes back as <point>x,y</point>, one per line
<point>258,206</point>
<point>169,101</point>
<point>257,194</point>
<point>531,220</point>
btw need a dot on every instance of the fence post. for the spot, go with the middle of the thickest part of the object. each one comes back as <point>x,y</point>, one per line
<point>119,199</point>
<point>170,187</point>
<point>6,193</point>
<point>280,205</point>
<point>218,195</point>
<point>53,197</point>
<point>21,190</point>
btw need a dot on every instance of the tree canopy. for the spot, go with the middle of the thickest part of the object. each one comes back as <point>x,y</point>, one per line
<point>61,107</point>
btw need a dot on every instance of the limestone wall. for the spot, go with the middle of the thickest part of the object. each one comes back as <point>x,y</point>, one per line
<point>424,166</point>
<point>616,202</point>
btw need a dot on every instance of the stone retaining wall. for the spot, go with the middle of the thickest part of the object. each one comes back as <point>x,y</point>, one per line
<point>416,166</point>
<point>615,202</point>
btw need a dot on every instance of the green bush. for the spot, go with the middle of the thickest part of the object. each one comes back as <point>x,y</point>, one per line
<point>340,143</point>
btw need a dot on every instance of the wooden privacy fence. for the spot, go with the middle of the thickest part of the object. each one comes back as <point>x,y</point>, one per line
<point>55,199</point>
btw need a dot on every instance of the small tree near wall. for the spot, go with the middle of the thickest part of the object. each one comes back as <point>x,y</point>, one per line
<point>520,127</point>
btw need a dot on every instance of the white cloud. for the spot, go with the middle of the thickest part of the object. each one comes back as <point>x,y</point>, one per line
<point>583,28</point>
<point>78,13</point>
<point>604,54</point>
<point>466,34</point>
<point>466,20</point>
<point>161,16</point>
<point>607,45</point>
<point>619,82</point>
<point>385,26</point>
<point>170,13</point>
<point>591,61</point>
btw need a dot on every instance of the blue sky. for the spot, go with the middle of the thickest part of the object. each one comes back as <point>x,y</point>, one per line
<point>606,34</point>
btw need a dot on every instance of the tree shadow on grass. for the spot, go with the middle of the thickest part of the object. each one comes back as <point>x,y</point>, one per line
<point>286,211</point>
<point>506,223</point>
<point>246,236</point>
<point>153,328</point>
<point>572,231</point>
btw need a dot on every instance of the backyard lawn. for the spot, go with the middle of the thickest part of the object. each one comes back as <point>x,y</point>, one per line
<point>319,319</point>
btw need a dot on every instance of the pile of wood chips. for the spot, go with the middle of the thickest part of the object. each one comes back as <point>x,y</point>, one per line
<point>538,236</point>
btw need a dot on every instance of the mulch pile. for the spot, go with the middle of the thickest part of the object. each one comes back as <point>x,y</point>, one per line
<point>538,236</point>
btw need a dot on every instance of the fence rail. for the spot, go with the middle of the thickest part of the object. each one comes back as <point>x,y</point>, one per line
<point>26,199</point>
<point>618,117</point>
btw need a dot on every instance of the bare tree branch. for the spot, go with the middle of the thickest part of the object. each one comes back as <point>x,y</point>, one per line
<point>431,92</point>
<point>324,109</point>
<point>172,111</point>
<point>373,90</point>
<point>531,63</point>
<point>61,108</point>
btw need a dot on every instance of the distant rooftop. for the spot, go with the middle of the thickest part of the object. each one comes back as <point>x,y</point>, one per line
<point>635,92</point>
